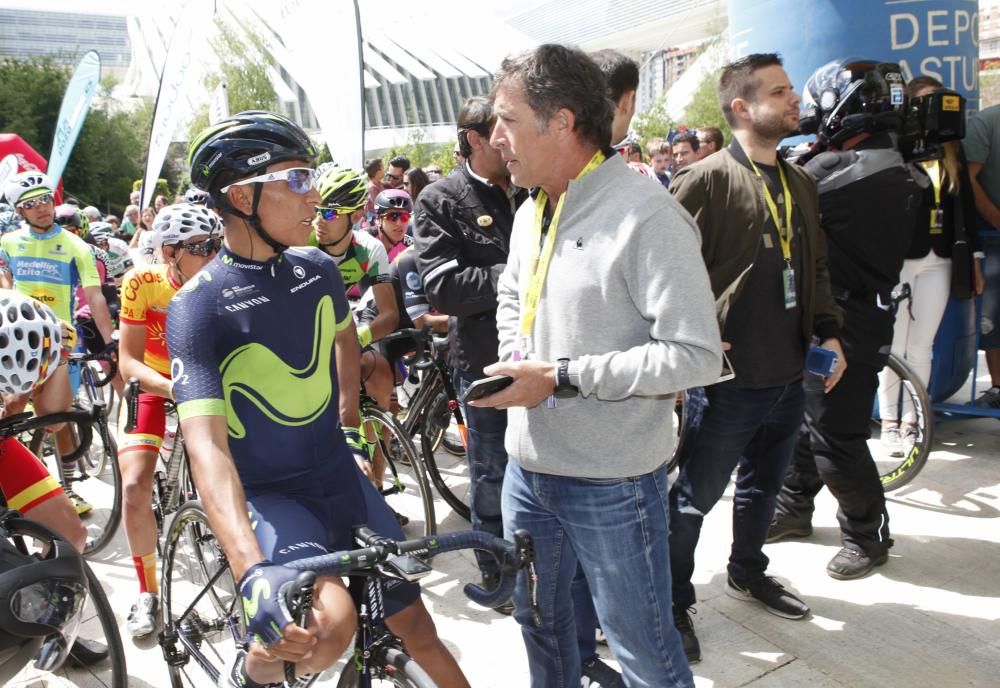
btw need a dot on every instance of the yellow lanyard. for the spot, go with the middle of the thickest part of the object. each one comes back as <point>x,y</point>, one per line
<point>540,263</point>
<point>934,172</point>
<point>784,231</point>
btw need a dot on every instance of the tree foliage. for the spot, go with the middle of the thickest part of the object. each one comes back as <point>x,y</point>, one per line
<point>654,122</point>
<point>108,154</point>
<point>423,153</point>
<point>704,110</point>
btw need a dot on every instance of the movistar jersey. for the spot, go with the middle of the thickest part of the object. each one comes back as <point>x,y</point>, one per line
<point>48,266</point>
<point>255,342</point>
<point>365,262</point>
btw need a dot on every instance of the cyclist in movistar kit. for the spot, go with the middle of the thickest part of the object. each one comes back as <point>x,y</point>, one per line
<point>189,236</point>
<point>364,266</point>
<point>264,354</point>
<point>45,262</point>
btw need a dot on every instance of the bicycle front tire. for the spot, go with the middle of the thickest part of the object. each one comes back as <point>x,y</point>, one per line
<point>388,666</point>
<point>896,471</point>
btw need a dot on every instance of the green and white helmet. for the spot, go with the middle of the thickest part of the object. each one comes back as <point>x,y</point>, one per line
<point>343,188</point>
<point>26,185</point>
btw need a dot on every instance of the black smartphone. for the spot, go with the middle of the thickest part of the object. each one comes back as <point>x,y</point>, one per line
<point>485,387</point>
<point>409,567</point>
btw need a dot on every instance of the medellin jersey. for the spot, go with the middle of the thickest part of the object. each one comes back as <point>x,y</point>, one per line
<point>254,342</point>
<point>48,267</point>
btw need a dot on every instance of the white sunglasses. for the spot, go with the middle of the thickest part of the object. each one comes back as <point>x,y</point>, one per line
<point>300,179</point>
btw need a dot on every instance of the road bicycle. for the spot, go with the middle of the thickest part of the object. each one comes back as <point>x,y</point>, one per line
<point>203,624</point>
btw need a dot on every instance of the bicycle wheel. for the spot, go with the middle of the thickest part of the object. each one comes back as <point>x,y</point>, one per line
<point>405,487</point>
<point>101,491</point>
<point>202,621</point>
<point>437,423</point>
<point>388,666</point>
<point>899,464</point>
<point>99,626</point>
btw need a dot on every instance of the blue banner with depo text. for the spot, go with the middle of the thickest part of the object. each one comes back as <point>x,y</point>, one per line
<point>75,106</point>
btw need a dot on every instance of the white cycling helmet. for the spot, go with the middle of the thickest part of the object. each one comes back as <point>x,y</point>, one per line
<point>196,196</point>
<point>182,222</point>
<point>101,231</point>
<point>30,342</point>
<point>26,185</point>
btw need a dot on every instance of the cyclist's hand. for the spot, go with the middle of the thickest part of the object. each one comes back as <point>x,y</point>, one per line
<point>264,609</point>
<point>68,336</point>
<point>295,646</point>
<point>364,336</point>
<point>361,448</point>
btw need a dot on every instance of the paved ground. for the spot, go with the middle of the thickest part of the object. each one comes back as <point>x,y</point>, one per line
<point>927,618</point>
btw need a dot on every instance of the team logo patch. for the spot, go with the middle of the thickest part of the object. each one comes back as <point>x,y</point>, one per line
<point>413,281</point>
<point>299,271</point>
<point>258,159</point>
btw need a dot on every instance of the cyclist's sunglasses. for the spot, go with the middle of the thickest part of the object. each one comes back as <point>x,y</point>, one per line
<point>398,216</point>
<point>299,179</point>
<point>330,213</point>
<point>37,200</point>
<point>202,248</point>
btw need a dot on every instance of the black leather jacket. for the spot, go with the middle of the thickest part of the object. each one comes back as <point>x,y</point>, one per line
<point>461,229</point>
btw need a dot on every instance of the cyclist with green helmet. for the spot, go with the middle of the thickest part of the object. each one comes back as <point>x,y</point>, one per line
<point>364,266</point>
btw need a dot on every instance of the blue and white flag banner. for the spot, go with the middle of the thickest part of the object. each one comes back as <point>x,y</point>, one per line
<point>75,106</point>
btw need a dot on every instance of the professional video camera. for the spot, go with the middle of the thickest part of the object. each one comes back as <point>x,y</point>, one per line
<point>932,120</point>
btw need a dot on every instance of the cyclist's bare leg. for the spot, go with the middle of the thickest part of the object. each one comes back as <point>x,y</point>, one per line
<point>415,628</point>
<point>993,364</point>
<point>56,396</point>
<point>378,380</point>
<point>137,467</point>
<point>58,514</point>
<point>333,620</point>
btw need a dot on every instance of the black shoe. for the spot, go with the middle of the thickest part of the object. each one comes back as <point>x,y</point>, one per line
<point>597,674</point>
<point>771,594</point>
<point>784,526</point>
<point>682,622</point>
<point>86,653</point>
<point>849,564</point>
<point>490,583</point>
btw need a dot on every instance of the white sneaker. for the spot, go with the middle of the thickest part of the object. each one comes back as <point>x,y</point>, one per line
<point>909,437</point>
<point>142,620</point>
<point>892,440</point>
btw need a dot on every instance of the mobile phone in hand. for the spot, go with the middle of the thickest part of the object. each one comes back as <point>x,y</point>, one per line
<point>485,387</point>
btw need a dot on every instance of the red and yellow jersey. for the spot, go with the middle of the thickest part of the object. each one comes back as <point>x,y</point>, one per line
<point>146,292</point>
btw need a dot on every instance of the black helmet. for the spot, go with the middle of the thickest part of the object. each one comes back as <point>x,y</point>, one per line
<point>243,145</point>
<point>42,600</point>
<point>847,97</point>
<point>68,215</point>
<point>393,199</point>
<point>239,148</point>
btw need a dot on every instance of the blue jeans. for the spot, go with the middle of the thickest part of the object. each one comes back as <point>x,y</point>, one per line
<point>990,338</point>
<point>754,430</point>
<point>616,531</point>
<point>487,463</point>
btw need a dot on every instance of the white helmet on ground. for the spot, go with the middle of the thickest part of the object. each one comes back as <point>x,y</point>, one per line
<point>24,186</point>
<point>30,343</point>
<point>182,222</point>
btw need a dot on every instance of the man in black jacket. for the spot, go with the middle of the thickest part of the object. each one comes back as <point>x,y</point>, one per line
<point>462,226</point>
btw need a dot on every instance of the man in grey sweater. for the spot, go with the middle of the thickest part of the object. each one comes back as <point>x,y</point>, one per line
<point>605,312</point>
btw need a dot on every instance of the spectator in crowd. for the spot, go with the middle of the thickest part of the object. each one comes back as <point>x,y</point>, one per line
<point>659,151</point>
<point>116,224</point>
<point>462,234</point>
<point>766,257</point>
<point>145,225</point>
<point>581,387</point>
<point>634,152</point>
<point>685,146</point>
<point>457,155</point>
<point>982,149</point>
<point>622,75</point>
<point>159,203</point>
<point>135,198</point>
<point>375,171</point>
<point>131,221</point>
<point>868,200</point>
<point>414,181</point>
<point>393,178</point>
<point>433,173</point>
<point>92,213</point>
<point>710,140</point>
<point>928,271</point>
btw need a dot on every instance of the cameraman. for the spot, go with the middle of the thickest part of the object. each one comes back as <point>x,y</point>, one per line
<point>868,202</point>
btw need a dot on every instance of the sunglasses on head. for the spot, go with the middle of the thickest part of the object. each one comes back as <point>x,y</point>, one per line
<point>37,200</point>
<point>299,179</point>
<point>201,248</point>
<point>331,213</point>
<point>398,216</point>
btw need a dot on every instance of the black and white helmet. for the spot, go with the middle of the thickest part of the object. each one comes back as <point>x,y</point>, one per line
<point>196,196</point>
<point>30,343</point>
<point>182,222</point>
<point>101,231</point>
<point>26,185</point>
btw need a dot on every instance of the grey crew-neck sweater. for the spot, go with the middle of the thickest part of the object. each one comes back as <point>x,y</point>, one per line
<point>627,299</point>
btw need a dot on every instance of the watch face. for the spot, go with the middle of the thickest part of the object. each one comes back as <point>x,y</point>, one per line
<point>566,392</point>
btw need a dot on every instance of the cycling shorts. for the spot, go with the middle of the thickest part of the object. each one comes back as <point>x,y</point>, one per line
<point>293,526</point>
<point>150,425</point>
<point>24,480</point>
